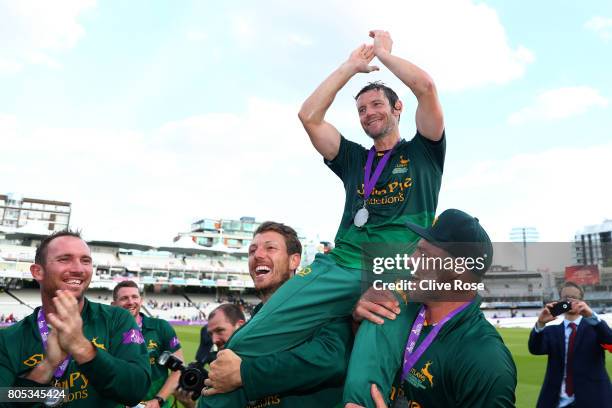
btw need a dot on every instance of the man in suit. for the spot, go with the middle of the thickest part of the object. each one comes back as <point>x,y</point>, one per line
<point>576,375</point>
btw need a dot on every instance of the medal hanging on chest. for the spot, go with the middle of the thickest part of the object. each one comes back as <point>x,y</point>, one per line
<point>362,215</point>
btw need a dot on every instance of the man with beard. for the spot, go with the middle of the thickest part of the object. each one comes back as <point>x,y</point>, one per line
<point>159,336</point>
<point>94,352</point>
<point>309,375</point>
<point>392,183</point>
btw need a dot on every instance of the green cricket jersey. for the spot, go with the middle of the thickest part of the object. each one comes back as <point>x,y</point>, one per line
<point>407,191</point>
<point>310,375</point>
<point>159,337</point>
<point>118,374</point>
<point>467,365</point>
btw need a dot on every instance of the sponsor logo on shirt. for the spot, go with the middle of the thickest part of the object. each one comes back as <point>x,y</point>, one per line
<point>398,399</point>
<point>265,402</point>
<point>132,336</point>
<point>174,342</point>
<point>76,383</point>
<point>392,193</point>
<point>33,360</point>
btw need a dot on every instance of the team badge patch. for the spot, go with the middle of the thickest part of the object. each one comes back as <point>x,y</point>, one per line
<point>132,336</point>
<point>174,342</point>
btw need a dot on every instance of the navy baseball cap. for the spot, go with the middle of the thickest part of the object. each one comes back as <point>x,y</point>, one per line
<point>461,235</point>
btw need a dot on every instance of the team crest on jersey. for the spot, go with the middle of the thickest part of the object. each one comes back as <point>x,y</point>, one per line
<point>94,341</point>
<point>33,360</point>
<point>421,378</point>
<point>401,166</point>
<point>304,271</point>
<point>152,345</point>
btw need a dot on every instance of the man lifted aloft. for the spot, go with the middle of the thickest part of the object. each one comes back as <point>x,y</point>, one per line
<point>392,183</point>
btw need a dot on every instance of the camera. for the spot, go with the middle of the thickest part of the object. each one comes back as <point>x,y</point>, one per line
<point>561,307</point>
<point>192,377</point>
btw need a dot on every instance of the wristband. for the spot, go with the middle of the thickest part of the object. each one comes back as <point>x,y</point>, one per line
<point>160,400</point>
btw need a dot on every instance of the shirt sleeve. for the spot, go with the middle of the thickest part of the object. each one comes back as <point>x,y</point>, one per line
<point>434,150</point>
<point>593,320</point>
<point>485,377</point>
<point>7,374</point>
<point>322,359</point>
<point>349,155</point>
<point>171,340</point>
<point>122,373</point>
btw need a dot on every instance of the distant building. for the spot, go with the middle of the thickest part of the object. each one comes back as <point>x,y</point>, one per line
<point>593,244</point>
<point>37,214</point>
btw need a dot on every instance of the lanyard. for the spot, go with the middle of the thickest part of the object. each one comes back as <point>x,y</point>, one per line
<point>43,329</point>
<point>411,358</point>
<point>370,182</point>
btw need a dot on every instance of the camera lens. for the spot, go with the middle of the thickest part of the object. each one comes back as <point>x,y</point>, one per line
<point>190,379</point>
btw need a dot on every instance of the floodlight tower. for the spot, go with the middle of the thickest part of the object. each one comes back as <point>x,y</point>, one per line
<point>524,235</point>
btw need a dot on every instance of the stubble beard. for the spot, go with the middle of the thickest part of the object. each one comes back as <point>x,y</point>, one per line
<point>384,132</point>
<point>266,292</point>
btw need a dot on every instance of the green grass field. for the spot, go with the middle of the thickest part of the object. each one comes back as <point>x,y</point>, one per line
<point>530,368</point>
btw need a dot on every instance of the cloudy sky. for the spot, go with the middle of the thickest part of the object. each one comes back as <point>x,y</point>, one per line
<point>150,115</point>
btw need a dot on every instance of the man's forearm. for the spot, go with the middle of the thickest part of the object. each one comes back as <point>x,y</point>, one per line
<point>170,385</point>
<point>314,108</point>
<point>419,81</point>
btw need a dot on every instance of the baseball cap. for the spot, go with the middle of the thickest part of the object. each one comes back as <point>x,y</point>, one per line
<point>461,235</point>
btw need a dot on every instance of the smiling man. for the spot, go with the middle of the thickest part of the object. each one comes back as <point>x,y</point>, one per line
<point>311,373</point>
<point>393,182</point>
<point>96,352</point>
<point>159,336</point>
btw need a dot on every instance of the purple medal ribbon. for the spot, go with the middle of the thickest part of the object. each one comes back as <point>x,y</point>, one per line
<point>369,183</point>
<point>411,358</point>
<point>43,329</point>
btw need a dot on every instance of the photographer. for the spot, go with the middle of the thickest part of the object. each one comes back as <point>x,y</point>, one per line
<point>222,323</point>
<point>575,374</point>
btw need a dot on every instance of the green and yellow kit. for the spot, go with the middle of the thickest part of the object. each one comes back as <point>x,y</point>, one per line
<point>119,373</point>
<point>407,191</point>
<point>467,365</point>
<point>159,337</point>
<point>310,375</point>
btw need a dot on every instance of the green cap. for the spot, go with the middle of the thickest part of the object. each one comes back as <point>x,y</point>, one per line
<point>461,235</point>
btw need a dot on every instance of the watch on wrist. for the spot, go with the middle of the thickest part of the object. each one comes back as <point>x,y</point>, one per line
<point>160,400</point>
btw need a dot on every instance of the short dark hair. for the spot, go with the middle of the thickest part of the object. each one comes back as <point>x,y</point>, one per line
<point>294,246</point>
<point>231,311</point>
<point>41,252</point>
<point>570,284</point>
<point>124,284</point>
<point>380,86</point>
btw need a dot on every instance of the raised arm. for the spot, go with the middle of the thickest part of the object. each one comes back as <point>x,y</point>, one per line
<point>429,117</point>
<point>324,136</point>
